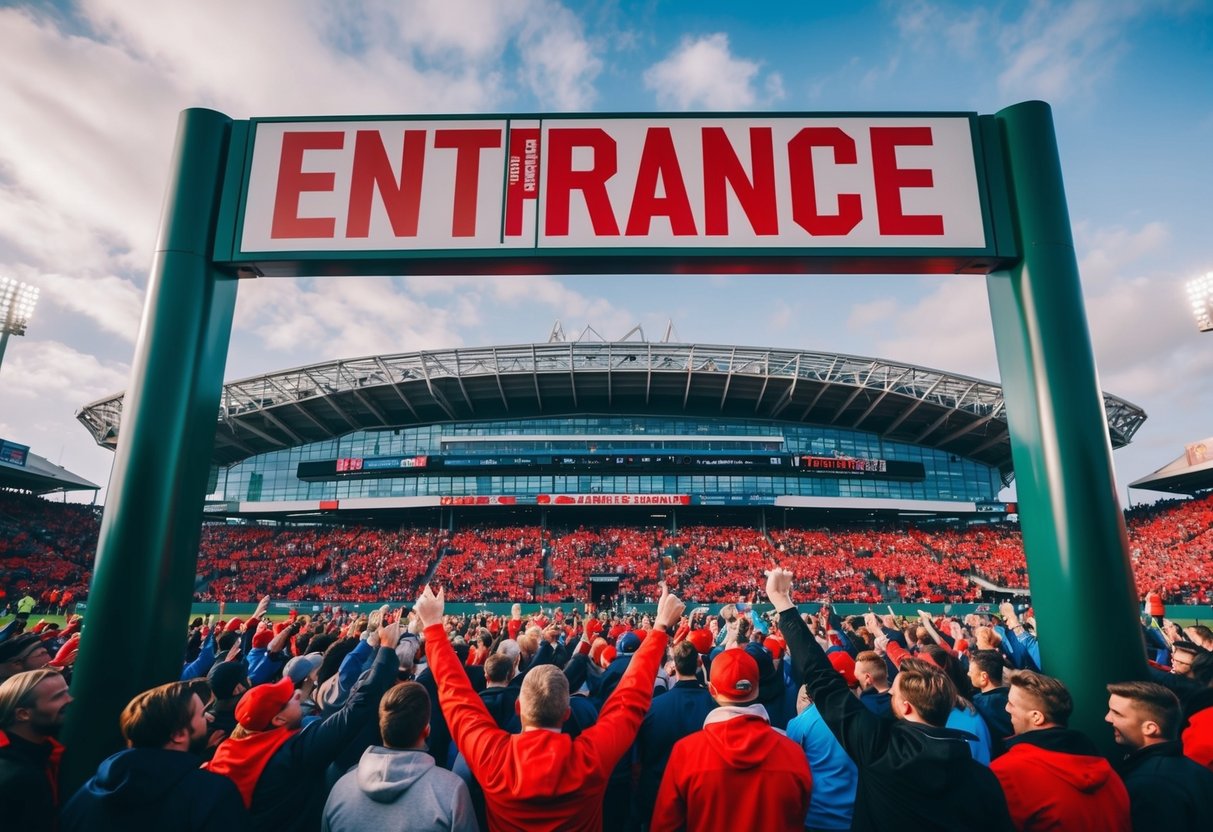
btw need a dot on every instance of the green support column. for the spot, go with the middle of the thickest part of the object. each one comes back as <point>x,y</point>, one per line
<point>147,549</point>
<point>1073,529</point>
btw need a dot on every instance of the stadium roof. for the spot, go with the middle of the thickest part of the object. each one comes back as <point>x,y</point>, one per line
<point>1190,473</point>
<point>41,476</point>
<point>902,402</point>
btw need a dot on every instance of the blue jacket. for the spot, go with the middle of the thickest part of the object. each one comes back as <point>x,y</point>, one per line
<point>834,773</point>
<point>992,705</point>
<point>151,788</point>
<point>971,722</point>
<point>677,713</point>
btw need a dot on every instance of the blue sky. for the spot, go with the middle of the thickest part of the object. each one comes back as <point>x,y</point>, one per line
<point>90,93</point>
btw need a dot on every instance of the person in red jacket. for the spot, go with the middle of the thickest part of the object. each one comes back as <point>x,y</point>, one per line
<point>1053,777</point>
<point>738,766</point>
<point>543,779</point>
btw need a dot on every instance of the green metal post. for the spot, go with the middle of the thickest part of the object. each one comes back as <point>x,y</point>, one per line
<point>1073,529</point>
<point>142,578</point>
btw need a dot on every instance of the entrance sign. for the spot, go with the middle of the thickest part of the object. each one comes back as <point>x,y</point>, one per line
<point>855,193</point>
<point>563,189</point>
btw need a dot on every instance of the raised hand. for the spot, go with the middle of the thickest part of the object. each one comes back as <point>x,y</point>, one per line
<point>669,608</point>
<point>389,636</point>
<point>779,588</point>
<point>429,607</point>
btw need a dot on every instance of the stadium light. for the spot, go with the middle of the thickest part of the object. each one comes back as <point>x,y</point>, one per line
<point>1200,292</point>
<point>17,302</point>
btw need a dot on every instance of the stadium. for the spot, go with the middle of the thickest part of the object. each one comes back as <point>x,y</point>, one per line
<point>517,431</point>
<point>571,469</point>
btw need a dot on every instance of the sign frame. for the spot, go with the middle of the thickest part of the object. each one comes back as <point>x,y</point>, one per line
<point>1073,530</point>
<point>1000,249</point>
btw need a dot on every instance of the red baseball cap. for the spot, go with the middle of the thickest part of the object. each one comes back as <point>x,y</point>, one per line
<point>258,707</point>
<point>845,665</point>
<point>735,675</point>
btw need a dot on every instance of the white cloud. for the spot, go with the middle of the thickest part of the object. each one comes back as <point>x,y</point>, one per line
<point>1056,51</point>
<point>339,318</point>
<point>948,328</point>
<point>557,62</point>
<point>114,303</point>
<point>51,370</point>
<point>864,315</point>
<point>703,73</point>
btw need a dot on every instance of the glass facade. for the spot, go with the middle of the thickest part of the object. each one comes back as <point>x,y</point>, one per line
<point>274,476</point>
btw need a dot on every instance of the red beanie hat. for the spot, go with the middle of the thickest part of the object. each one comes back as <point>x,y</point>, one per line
<point>702,639</point>
<point>234,625</point>
<point>262,638</point>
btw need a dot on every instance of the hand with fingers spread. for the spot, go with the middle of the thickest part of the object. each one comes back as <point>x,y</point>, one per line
<point>430,607</point>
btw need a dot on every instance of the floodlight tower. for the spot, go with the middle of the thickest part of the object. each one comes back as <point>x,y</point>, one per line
<point>1200,292</point>
<point>17,302</point>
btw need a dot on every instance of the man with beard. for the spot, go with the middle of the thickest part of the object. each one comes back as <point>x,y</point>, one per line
<point>156,782</point>
<point>33,705</point>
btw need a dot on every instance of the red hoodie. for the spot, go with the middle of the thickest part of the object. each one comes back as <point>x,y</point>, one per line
<point>737,769</point>
<point>542,781</point>
<point>1198,737</point>
<point>1051,785</point>
<point>242,760</point>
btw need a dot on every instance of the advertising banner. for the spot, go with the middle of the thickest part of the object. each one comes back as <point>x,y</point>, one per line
<point>614,499</point>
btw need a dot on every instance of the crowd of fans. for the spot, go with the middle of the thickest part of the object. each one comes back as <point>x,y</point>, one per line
<point>542,720</point>
<point>46,551</point>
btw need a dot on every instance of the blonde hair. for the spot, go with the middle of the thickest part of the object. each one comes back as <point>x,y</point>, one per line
<point>18,692</point>
<point>545,696</point>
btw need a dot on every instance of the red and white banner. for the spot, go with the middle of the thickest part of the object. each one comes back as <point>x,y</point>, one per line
<point>479,500</point>
<point>614,499</point>
<point>897,181</point>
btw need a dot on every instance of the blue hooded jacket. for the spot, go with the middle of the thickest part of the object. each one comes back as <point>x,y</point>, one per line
<point>152,788</point>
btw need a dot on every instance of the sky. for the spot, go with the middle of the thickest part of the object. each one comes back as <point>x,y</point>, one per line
<point>90,93</point>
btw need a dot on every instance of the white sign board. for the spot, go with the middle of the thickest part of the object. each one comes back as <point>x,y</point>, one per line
<point>755,183</point>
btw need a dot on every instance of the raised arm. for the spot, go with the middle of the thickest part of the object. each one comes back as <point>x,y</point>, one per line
<point>862,734</point>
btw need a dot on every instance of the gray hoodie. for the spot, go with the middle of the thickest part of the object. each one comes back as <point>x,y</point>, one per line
<point>393,788</point>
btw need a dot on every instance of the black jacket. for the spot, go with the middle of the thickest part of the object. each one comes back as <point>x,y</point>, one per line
<point>911,776</point>
<point>27,790</point>
<point>1167,791</point>
<point>500,702</point>
<point>290,793</point>
<point>150,788</point>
